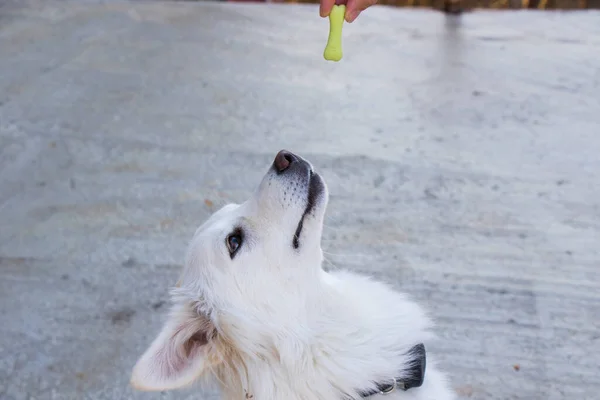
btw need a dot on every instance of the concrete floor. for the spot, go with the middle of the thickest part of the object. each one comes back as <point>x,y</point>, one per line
<point>463,159</point>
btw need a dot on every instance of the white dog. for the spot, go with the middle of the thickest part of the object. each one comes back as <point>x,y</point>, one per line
<point>255,311</point>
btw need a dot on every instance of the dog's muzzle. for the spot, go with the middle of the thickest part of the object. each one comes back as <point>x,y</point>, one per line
<point>288,164</point>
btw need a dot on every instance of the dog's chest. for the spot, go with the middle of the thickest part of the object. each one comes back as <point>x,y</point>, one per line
<point>272,386</point>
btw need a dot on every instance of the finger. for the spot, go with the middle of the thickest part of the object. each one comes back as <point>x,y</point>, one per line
<point>352,15</point>
<point>355,7</point>
<point>325,8</point>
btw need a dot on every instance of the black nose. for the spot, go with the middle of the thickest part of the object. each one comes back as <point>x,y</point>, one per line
<point>283,160</point>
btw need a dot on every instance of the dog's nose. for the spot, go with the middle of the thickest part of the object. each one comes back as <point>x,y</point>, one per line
<point>283,160</point>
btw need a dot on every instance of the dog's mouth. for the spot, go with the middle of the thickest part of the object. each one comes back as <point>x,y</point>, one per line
<point>315,189</point>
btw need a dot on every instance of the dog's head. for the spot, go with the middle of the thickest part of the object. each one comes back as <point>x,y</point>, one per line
<point>251,270</point>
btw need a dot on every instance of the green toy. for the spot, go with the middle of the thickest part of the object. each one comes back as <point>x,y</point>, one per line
<point>333,50</point>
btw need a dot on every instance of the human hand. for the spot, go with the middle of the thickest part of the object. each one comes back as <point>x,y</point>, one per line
<point>353,7</point>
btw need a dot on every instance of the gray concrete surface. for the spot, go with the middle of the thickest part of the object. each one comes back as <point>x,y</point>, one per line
<point>463,159</point>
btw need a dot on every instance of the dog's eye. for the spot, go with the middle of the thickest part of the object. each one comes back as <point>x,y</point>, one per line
<point>234,242</point>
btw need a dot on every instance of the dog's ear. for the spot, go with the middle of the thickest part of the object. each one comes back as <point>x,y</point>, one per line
<point>178,355</point>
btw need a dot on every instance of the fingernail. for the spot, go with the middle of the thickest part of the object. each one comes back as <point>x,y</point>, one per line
<point>351,16</point>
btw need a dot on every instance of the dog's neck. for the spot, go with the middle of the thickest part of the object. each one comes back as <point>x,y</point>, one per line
<point>337,346</point>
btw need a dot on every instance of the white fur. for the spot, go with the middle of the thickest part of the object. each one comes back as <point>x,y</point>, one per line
<point>271,323</point>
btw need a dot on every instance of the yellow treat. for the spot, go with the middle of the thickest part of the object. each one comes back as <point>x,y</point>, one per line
<point>333,50</point>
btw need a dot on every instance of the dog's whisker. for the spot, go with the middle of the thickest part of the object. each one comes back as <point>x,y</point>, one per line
<point>329,226</point>
<point>353,255</point>
<point>331,218</point>
<point>329,262</point>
